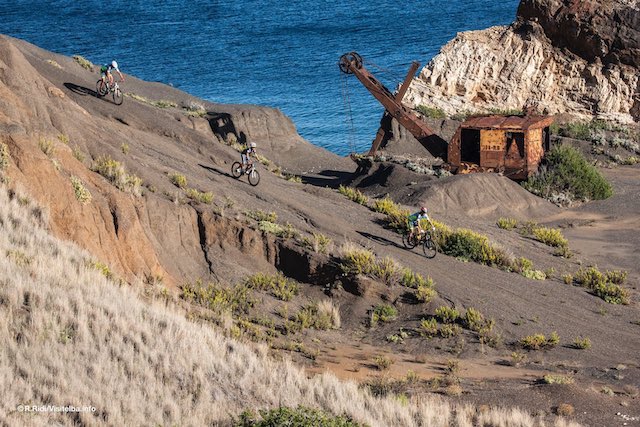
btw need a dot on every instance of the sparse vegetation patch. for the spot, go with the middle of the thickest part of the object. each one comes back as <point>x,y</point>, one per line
<point>116,174</point>
<point>199,196</point>
<point>82,194</point>
<point>83,62</point>
<point>539,341</point>
<point>567,172</point>
<point>300,416</point>
<point>606,286</point>
<point>178,180</point>
<point>278,285</point>
<point>507,223</point>
<point>353,194</point>
<point>431,112</point>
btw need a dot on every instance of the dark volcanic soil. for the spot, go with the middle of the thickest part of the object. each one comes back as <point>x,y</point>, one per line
<point>164,232</point>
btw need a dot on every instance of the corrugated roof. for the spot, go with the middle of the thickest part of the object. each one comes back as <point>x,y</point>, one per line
<point>508,122</point>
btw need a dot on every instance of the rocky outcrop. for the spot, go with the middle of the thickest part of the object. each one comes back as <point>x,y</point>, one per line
<point>577,57</point>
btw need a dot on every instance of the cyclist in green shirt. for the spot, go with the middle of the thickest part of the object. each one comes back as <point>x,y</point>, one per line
<point>414,221</point>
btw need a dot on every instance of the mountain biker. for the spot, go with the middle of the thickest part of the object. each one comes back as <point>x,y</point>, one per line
<point>106,72</point>
<point>246,155</point>
<point>414,221</point>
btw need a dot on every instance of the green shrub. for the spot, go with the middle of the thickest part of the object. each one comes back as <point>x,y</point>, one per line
<point>46,146</point>
<point>300,416</point>
<point>260,215</point>
<point>353,194</point>
<point>384,205</point>
<point>320,243</point>
<point>447,314</point>
<point>63,138</point>
<point>449,330</point>
<point>431,112</point>
<point>387,270</point>
<point>539,341</point>
<point>178,180</point>
<point>278,285</point>
<point>383,313</point>
<point>358,261</point>
<point>84,63</point>
<point>101,267</point>
<point>557,379</point>
<point>199,196</point>
<point>115,173</point>
<point>606,286</point>
<point>4,156</point>
<point>426,292</point>
<point>82,194</point>
<point>429,327</point>
<point>163,103</point>
<point>382,362</point>
<point>576,130</point>
<point>475,321</point>
<point>471,246</point>
<point>550,236</point>
<point>582,343</point>
<point>236,299</point>
<point>568,172</point>
<point>311,316</point>
<point>507,223</point>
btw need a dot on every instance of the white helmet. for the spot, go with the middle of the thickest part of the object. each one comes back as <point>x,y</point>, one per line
<point>254,145</point>
<point>114,64</point>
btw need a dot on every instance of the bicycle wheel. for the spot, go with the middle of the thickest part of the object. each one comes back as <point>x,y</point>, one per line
<point>254,177</point>
<point>117,96</point>
<point>101,88</point>
<point>236,170</point>
<point>429,248</point>
<point>408,243</point>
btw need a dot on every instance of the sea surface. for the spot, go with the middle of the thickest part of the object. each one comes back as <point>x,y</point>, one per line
<point>282,54</point>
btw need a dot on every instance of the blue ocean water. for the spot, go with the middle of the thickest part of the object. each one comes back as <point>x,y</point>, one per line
<point>282,54</point>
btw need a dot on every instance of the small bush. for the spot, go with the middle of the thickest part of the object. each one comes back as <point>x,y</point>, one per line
<point>357,261</point>
<point>429,327</point>
<point>199,196</point>
<point>163,103</point>
<point>300,416</point>
<point>319,244</point>
<point>565,410</point>
<point>115,173</point>
<point>425,292</point>
<point>384,205</point>
<point>507,223</point>
<point>449,330</point>
<point>582,343</point>
<point>4,156</point>
<point>353,194</point>
<point>124,147</point>
<point>557,379</point>
<point>518,358</point>
<point>475,321</point>
<point>447,314</point>
<point>83,62</point>
<point>383,313</point>
<point>101,267</point>
<point>387,270</point>
<point>178,180</point>
<point>217,298</point>
<point>382,363</point>
<point>260,215</point>
<point>278,285</point>
<point>82,194</point>
<point>311,316</point>
<point>567,172</point>
<point>539,341</point>
<point>63,138</point>
<point>46,146</point>
<point>19,258</point>
<point>550,236</point>
<point>606,286</point>
<point>431,112</point>
<point>327,309</point>
<point>54,64</point>
<point>471,246</point>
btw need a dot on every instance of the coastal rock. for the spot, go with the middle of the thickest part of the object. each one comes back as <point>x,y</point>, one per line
<point>560,57</point>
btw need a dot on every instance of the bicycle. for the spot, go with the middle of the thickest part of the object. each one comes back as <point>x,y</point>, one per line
<point>103,88</point>
<point>237,170</point>
<point>424,237</point>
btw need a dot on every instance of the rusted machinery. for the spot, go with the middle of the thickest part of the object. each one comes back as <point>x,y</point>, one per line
<point>513,145</point>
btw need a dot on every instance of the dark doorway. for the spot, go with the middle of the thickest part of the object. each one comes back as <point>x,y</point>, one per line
<point>546,138</point>
<point>470,146</point>
<point>518,139</point>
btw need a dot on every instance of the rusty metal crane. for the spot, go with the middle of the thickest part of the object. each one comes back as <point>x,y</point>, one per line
<point>351,63</point>
<point>512,144</point>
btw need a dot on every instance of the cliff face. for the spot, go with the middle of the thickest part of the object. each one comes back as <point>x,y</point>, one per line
<point>577,57</point>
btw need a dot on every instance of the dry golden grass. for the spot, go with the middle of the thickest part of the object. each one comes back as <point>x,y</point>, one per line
<point>70,336</point>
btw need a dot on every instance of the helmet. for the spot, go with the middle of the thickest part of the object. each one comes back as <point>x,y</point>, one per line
<point>114,64</point>
<point>423,209</point>
<point>254,145</point>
